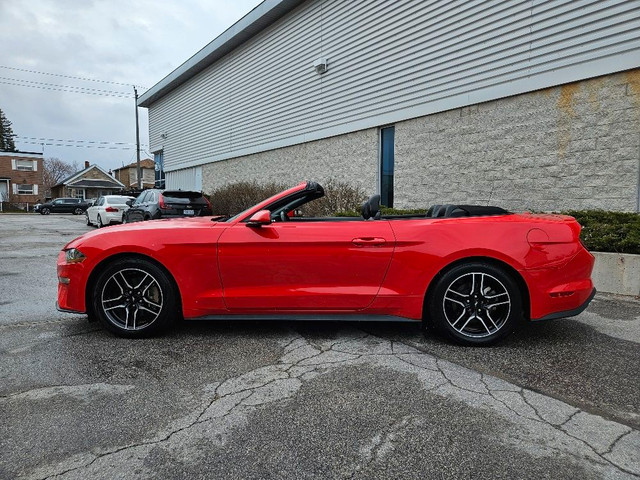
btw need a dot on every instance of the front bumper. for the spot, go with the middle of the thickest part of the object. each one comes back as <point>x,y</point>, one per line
<point>568,313</point>
<point>66,310</point>
<point>71,294</point>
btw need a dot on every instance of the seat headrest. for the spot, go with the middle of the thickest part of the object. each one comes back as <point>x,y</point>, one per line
<point>371,208</point>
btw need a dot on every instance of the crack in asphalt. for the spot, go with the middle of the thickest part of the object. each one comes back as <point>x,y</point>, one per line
<point>303,360</point>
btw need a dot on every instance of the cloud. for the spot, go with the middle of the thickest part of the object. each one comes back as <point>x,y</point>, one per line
<point>122,41</point>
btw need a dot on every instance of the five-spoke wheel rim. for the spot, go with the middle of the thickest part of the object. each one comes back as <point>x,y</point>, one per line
<point>132,299</point>
<point>476,305</point>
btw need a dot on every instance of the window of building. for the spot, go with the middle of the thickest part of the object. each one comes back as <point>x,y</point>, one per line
<point>25,189</point>
<point>79,193</point>
<point>158,158</point>
<point>387,153</point>
<point>25,165</point>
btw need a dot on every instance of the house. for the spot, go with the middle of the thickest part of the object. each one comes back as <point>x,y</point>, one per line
<point>91,182</point>
<point>527,105</point>
<point>128,174</point>
<point>21,177</point>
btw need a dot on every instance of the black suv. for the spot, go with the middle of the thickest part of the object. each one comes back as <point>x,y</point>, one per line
<point>153,204</point>
<point>76,206</point>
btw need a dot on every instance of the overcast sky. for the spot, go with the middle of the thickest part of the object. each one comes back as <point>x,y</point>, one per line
<point>130,42</point>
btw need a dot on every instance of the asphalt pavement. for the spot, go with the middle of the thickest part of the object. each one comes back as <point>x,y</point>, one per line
<point>303,400</point>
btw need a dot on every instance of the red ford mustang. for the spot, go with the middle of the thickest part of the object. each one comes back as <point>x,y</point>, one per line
<point>471,272</point>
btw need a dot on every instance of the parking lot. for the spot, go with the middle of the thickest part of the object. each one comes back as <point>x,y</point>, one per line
<point>303,400</point>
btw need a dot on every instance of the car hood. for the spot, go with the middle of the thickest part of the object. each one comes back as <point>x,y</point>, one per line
<point>155,225</point>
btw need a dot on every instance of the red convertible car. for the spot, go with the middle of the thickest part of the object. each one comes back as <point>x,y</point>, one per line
<point>471,272</point>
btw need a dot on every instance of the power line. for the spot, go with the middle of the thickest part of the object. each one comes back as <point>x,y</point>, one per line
<point>57,85</point>
<point>96,142</point>
<point>69,76</point>
<point>51,144</point>
<point>68,91</point>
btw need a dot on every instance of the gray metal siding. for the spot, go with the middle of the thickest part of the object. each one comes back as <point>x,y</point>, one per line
<point>388,61</point>
<point>184,179</point>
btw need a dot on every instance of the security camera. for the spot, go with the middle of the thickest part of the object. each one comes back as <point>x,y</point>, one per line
<point>321,65</point>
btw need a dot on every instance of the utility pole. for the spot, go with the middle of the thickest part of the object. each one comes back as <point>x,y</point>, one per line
<point>139,169</point>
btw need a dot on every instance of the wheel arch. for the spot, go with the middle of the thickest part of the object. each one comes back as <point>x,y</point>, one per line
<point>520,281</point>
<point>95,273</point>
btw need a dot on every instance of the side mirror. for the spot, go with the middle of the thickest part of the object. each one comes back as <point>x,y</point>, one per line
<point>129,202</point>
<point>258,219</point>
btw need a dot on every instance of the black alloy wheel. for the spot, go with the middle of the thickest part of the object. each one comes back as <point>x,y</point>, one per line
<point>134,298</point>
<point>475,304</point>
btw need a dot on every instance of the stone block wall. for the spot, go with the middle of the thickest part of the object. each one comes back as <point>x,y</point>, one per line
<point>352,157</point>
<point>571,147</point>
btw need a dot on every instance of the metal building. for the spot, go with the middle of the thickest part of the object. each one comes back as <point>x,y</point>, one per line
<point>534,104</point>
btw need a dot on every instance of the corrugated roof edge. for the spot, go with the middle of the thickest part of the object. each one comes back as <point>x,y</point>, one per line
<point>253,22</point>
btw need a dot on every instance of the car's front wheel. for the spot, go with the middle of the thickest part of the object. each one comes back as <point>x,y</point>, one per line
<point>475,303</point>
<point>45,211</point>
<point>87,218</point>
<point>99,222</point>
<point>134,298</point>
<point>78,211</point>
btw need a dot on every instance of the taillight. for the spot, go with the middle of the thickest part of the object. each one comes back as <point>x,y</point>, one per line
<point>161,202</point>
<point>208,202</point>
<point>111,209</point>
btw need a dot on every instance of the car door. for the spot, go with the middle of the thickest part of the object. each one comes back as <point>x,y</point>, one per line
<point>95,209</point>
<point>136,212</point>
<point>57,206</point>
<point>304,265</point>
<point>68,205</point>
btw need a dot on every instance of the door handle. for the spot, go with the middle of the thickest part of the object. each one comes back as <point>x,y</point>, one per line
<point>368,241</point>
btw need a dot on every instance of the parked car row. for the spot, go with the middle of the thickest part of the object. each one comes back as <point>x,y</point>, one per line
<point>151,204</point>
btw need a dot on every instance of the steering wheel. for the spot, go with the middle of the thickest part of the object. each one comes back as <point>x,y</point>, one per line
<point>283,216</point>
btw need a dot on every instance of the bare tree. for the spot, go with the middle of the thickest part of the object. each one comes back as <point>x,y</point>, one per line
<point>55,170</point>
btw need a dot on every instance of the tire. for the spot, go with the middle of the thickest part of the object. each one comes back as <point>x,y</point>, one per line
<point>124,219</point>
<point>45,211</point>
<point>475,304</point>
<point>99,222</point>
<point>134,298</point>
<point>88,221</point>
<point>78,211</point>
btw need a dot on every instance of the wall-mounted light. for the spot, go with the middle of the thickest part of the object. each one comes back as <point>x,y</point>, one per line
<point>164,135</point>
<point>321,66</point>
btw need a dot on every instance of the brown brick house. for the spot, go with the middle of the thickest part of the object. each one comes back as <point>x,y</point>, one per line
<point>21,178</point>
<point>91,182</point>
<point>129,174</point>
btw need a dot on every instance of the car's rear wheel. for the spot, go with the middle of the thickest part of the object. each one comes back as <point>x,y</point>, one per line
<point>45,211</point>
<point>475,303</point>
<point>134,298</point>
<point>87,218</point>
<point>78,211</point>
<point>99,222</point>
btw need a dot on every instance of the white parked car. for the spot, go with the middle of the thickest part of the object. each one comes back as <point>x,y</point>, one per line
<point>107,210</point>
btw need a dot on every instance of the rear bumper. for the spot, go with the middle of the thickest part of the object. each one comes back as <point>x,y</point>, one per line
<point>556,292</point>
<point>568,313</point>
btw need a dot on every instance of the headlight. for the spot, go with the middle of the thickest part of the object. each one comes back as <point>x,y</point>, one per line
<point>74,256</point>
